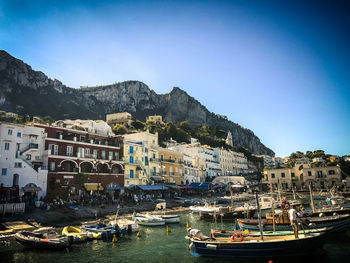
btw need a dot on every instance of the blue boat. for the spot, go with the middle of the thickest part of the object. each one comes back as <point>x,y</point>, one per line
<point>246,247</point>
<point>107,232</point>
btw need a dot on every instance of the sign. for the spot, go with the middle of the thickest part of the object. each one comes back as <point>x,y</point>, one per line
<point>68,177</point>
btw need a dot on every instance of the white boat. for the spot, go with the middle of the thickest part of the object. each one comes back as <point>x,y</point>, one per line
<point>124,223</point>
<point>148,220</point>
<point>170,218</point>
<point>206,208</point>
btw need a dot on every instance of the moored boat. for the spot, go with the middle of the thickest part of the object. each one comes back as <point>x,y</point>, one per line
<point>270,246</point>
<point>43,241</point>
<point>148,220</point>
<point>80,235</point>
<point>124,223</point>
<point>105,231</point>
<point>170,218</point>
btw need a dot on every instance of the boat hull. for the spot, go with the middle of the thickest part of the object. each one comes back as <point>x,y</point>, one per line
<point>41,243</point>
<point>259,249</point>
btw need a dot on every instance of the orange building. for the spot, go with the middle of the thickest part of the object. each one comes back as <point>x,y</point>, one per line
<point>171,166</point>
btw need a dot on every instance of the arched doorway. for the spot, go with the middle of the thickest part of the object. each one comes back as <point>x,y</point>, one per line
<point>103,168</point>
<point>15,180</point>
<point>86,167</point>
<point>68,166</point>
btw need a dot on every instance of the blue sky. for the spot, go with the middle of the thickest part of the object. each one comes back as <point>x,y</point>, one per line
<point>279,68</point>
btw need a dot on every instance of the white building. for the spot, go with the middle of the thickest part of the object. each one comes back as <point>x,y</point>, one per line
<point>23,158</point>
<point>231,163</point>
<point>203,154</point>
<point>240,180</point>
<point>96,127</point>
<point>191,170</point>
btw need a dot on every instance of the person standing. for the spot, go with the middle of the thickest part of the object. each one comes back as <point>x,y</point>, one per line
<point>292,214</point>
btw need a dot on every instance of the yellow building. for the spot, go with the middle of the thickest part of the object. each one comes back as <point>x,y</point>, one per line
<point>124,118</point>
<point>155,118</point>
<point>171,166</point>
<point>136,163</point>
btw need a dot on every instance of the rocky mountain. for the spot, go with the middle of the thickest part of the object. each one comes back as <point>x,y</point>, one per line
<point>25,91</point>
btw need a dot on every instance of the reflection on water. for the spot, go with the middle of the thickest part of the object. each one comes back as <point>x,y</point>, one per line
<point>156,245</point>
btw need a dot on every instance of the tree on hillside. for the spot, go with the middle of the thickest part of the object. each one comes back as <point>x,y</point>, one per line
<point>119,129</point>
<point>139,125</point>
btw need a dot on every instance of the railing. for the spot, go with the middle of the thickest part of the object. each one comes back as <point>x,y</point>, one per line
<point>30,146</point>
<point>12,208</point>
<point>135,176</point>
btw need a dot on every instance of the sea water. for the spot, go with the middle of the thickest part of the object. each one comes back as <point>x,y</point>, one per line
<point>158,245</point>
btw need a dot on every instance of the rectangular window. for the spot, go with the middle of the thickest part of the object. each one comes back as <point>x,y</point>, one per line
<point>319,174</point>
<point>103,155</point>
<point>331,172</point>
<point>293,175</point>
<point>131,149</point>
<point>9,132</point>
<point>4,171</point>
<point>272,175</point>
<point>19,134</point>
<point>161,157</point>
<point>80,152</point>
<point>283,175</point>
<point>52,166</point>
<point>7,146</point>
<point>131,174</point>
<point>69,150</point>
<point>18,165</point>
<point>87,151</point>
<point>82,138</point>
<point>110,156</point>
<point>131,159</point>
<point>95,153</point>
<point>28,156</point>
<point>146,160</point>
<point>309,173</point>
<point>154,156</point>
<point>117,155</point>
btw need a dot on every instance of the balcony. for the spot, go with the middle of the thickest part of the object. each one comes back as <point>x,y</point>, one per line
<point>153,159</point>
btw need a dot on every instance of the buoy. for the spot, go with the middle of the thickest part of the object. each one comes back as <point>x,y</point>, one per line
<point>168,229</point>
<point>139,233</point>
<point>246,231</point>
<point>115,239</point>
<point>188,225</point>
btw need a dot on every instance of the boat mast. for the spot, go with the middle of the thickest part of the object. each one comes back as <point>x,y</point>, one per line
<point>273,210</point>
<point>312,199</point>
<point>231,195</point>
<point>259,216</point>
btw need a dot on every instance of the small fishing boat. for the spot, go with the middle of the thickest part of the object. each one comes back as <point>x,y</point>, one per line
<point>148,220</point>
<point>80,235</point>
<point>170,218</point>
<point>124,223</point>
<point>43,241</point>
<point>338,223</point>
<point>229,233</point>
<point>249,246</point>
<point>106,231</point>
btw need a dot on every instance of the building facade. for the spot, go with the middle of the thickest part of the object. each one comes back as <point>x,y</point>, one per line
<point>22,159</point>
<point>78,158</point>
<point>300,176</point>
<point>231,163</point>
<point>123,118</point>
<point>171,166</point>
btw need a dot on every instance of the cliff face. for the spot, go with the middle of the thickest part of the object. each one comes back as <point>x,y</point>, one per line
<point>25,91</point>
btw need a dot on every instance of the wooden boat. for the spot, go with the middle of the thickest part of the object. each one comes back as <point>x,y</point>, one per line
<point>43,241</point>
<point>249,246</point>
<point>229,233</point>
<point>337,223</point>
<point>148,220</point>
<point>79,234</point>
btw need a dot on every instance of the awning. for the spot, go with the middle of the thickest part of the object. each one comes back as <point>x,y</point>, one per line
<point>152,187</point>
<point>93,186</point>
<point>200,185</point>
<point>31,188</point>
<point>114,188</point>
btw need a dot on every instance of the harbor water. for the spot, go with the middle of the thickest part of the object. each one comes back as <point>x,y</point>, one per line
<point>157,245</point>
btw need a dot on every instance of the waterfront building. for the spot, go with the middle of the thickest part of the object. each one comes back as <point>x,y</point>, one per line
<point>78,158</point>
<point>171,166</point>
<point>301,175</point>
<point>150,142</point>
<point>22,154</point>
<point>136,163</point>
<point>205,157</point>
<point>235,180</point>
<point>123,118</point>
<point>191,170</point>
<point>231,163</point>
